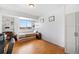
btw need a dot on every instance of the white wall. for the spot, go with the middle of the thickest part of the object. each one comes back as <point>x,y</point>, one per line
<point>54,31</point>
<point>4,12</point>
<point>0,24</point>
<point>16,13</point>
<point>16,25</point>
<point>71,8</point>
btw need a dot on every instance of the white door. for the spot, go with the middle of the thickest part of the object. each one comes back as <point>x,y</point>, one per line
<point>69,30</point>
<point>77,31</point>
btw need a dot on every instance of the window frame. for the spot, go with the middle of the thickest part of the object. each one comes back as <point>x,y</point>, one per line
<point>27,27</point>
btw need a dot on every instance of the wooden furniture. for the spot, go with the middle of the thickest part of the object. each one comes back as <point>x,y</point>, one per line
<point>9,35</point>
<point>4,41</point>
<point>10,46</point>
<point>38,36</point>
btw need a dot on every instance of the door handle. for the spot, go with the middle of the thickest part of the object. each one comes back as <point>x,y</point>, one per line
<point>76,34</point>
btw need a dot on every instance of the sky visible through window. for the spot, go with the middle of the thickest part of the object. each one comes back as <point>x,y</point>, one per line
<point>25,23</point>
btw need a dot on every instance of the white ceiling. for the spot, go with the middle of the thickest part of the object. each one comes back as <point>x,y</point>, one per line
<point>40,10</point>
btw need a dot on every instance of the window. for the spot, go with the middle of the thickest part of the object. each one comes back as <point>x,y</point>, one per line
<point>25,23</point>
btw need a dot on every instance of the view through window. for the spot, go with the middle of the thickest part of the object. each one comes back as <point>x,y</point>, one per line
<point>25,23</point>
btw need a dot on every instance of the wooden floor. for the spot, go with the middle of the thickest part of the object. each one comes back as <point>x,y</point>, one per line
<point>36,46</point>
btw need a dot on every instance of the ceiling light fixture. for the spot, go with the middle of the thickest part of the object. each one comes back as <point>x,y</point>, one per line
<point>31,5</point>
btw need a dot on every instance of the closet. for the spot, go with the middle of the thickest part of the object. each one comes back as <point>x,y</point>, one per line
<point>72,33</point>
